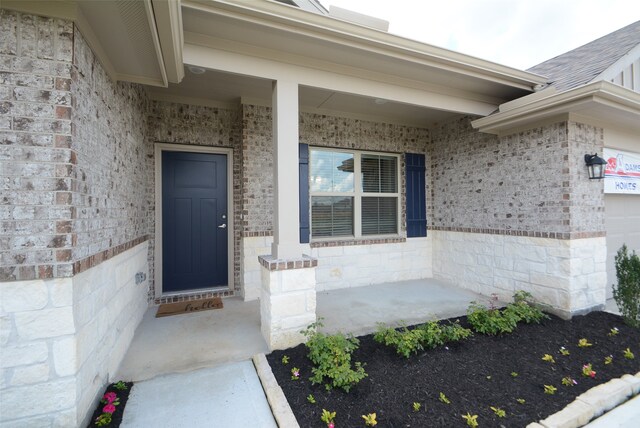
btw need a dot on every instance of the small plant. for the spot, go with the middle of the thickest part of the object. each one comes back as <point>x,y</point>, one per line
<point>550,389</point>
<point>564,351</point>
<point>584,343</point>
<point>472,420</point>
<point>120,385</point>
<point>311,399</point>
<point>110,400</point>
<point>426,336</point>
<point>370,420</point>
<point>608,360</point>
<point>521,400</point>
<point>514,374</point>
<point>498,411</point>
<point>103,419</point>
<point>614,331</point>
<point>524,310</point>
<point>444,398</point>
<point>328,418</point>
<point>331,357</point>
<point>628,354</point>
<point>627,291</point>
<point>285,360</point>
<point>295,373</point>
<point>416,406</point>
<point>491,321</point>
<point>568,381</point>
<point>548,358</point>
<point>587,371</point>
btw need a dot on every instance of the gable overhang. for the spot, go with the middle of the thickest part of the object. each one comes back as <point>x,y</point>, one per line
<point>599,102</point>
<point>274,41</point>
<point>135,41</point>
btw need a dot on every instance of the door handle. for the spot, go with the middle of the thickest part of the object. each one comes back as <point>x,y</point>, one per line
<point>222,226</point>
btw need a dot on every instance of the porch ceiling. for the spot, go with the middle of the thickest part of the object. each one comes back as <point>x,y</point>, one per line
<point>227,90</point>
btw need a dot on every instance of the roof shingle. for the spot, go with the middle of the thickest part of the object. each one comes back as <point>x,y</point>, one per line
<point>583,64</point>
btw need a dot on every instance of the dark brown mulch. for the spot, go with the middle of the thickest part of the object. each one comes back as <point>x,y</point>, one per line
<point>474,374</point>
<point>116,417</point>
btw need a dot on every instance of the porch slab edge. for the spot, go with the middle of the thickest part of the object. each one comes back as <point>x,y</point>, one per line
<point>280,408</point>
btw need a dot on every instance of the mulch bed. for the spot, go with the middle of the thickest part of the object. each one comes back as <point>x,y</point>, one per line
<point>116,417</point>
<point>474,374</point>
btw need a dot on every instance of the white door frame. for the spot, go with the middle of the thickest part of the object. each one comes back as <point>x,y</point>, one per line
<point>166,147</point>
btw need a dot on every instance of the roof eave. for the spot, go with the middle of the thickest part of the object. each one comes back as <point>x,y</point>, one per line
<point>585,100</point>
<point>325,27</point>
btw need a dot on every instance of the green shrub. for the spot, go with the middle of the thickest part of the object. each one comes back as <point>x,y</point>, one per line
<point>494,321</point>
<point>523,309</point>
<point>627,291</point>
<point>405,341</point>
<point>425,336</point>
<point>331,356</point>
<point>491,321</point>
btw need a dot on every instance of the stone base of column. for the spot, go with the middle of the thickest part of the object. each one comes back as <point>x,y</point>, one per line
<point>287,299</point>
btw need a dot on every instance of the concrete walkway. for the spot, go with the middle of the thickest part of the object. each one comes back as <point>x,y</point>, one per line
<point>624,416</point>
<point>228,396</point>
<point>191,341</point>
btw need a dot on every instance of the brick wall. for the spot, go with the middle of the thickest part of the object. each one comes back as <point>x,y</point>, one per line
<point>109,192</point>
<point>75,162</point>
<point>532,183</point>
<point>315,130</point>
<point>35,149</point>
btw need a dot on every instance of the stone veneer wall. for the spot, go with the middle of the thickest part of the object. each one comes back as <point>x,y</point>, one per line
<point>518,212</point>
<point>200,126</point>
<point>75,218</point>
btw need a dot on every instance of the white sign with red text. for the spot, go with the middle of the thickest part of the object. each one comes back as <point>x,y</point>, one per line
<point>622,173</point>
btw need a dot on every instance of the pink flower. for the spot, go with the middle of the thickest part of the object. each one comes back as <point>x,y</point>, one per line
<point>592,374</point>
<point>109,408</point>
<point>110,397</point>
<point>331,425</point>
<point>296,373</point>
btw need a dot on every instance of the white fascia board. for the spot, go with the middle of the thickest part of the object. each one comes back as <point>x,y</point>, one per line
<point>148,8</point>
<point>94,43</point>
<point>233,62</point>
<point>598,94</point>
<point>168,17</point>
<point>276,15</point>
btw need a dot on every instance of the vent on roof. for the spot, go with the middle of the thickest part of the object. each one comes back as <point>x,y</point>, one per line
<point>358,18</point>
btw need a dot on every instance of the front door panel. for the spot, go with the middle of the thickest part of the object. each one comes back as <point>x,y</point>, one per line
<point>194,221</point>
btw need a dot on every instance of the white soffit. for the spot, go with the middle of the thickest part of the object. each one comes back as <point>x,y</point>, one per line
<point>289,35</point>
<point>227,90</point>
<point>126,31</point>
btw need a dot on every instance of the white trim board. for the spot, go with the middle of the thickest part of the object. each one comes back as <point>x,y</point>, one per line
<point>167,147</point>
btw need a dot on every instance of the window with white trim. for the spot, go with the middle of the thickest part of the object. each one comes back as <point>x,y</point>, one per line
<point>353,193</point>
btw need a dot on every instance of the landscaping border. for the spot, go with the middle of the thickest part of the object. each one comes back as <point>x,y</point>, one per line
<point>593,403</point>
<point>585,408</point>
<point>275,396</point>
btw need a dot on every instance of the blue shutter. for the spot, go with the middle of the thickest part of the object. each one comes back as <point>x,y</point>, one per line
<point>416,197</point>
<point>303,167</point>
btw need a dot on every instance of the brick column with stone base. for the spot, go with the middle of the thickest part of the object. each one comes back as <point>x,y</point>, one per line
<point>288,299</point>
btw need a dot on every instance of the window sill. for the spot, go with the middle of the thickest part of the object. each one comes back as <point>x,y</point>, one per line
<point>359,241</point>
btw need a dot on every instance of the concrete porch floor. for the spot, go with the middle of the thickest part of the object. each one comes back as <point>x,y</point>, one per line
<point>187,342</point>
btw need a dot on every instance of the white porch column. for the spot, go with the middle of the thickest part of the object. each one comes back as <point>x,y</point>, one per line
<point>286,222</point>
<point>288,293</point>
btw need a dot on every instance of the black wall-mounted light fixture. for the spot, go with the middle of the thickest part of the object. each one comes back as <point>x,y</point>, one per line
<point>595,165</point>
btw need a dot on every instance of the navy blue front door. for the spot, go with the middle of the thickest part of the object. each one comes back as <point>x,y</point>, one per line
<point>194,221</point>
